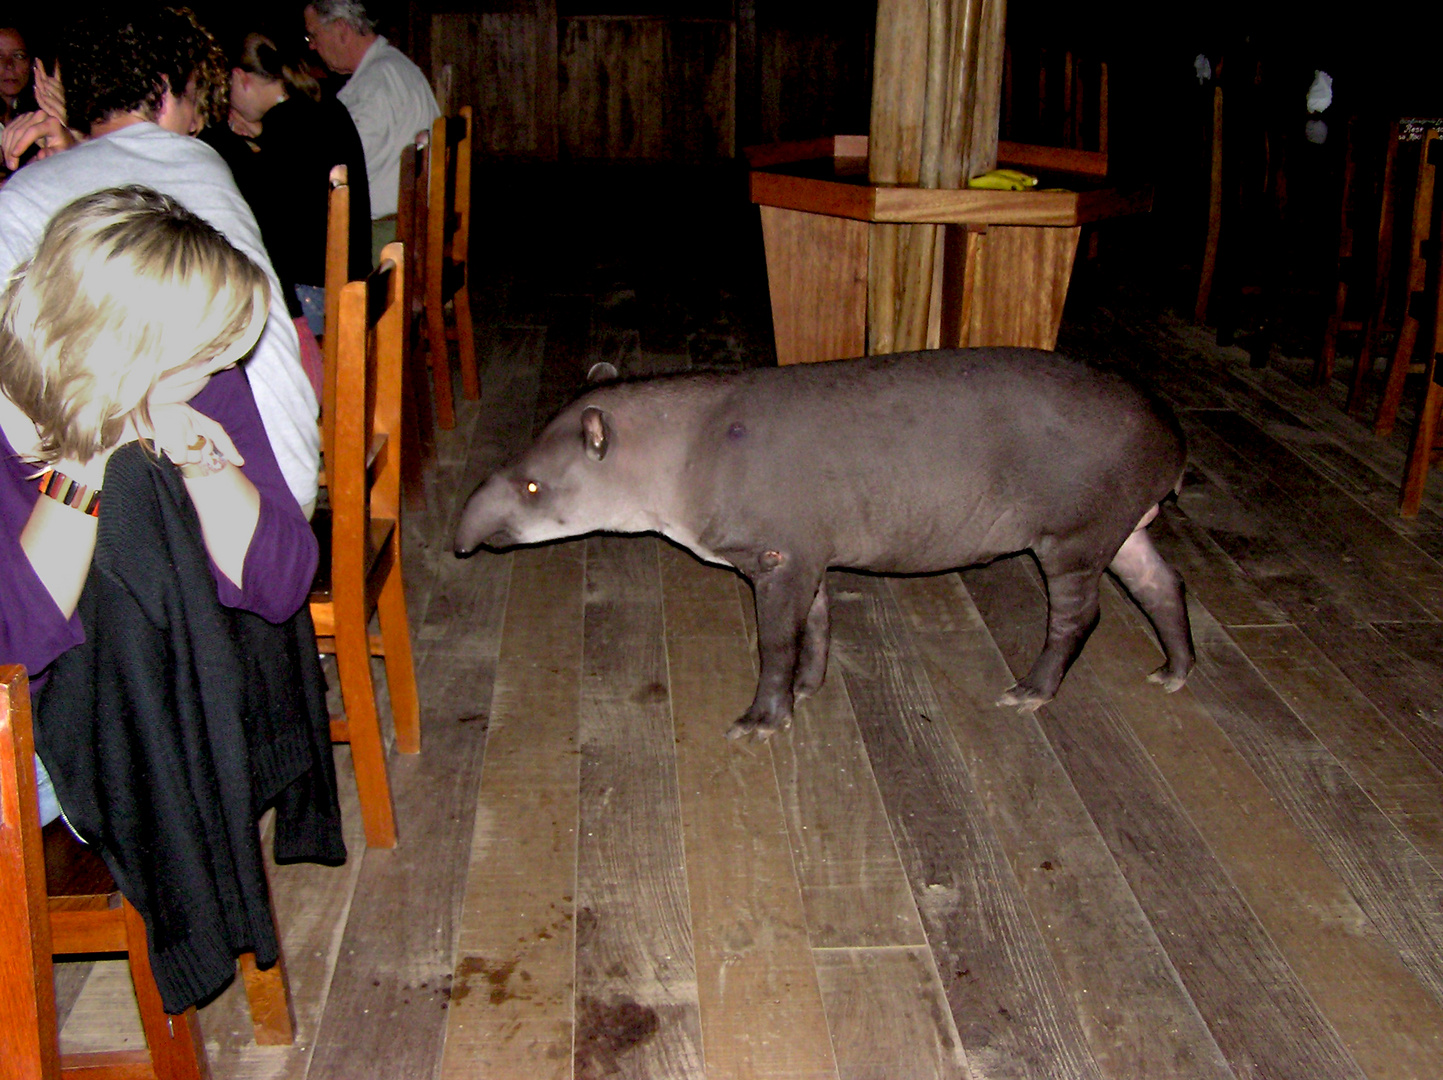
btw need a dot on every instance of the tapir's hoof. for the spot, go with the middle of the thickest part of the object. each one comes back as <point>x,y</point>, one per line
<point>756,730</point>
<point>1167,680</point>
<point>1023,699</point>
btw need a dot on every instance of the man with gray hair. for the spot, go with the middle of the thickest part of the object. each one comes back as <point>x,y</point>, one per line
<point>387,96</point>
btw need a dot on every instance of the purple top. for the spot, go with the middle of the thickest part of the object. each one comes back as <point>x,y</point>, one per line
<point>279,565</point>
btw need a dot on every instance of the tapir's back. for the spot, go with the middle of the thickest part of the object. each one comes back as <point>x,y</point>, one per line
<point>946,455</point>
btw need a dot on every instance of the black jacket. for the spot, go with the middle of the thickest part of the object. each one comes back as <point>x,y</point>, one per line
<point>284,175</point>
<point>174,725</point>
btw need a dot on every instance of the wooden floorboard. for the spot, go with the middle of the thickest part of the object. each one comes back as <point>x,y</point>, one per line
<point>1011,1011</point>
<point>511,1011</point>
<point>1241,984</point>
<point>1134,1012</point>
<point>761,1005</point>
<point>636,988</point>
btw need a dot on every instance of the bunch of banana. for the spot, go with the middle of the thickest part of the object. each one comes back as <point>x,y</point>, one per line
<point>1003,180</point>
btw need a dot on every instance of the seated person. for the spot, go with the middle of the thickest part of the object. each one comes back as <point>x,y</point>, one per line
<point>127,325</point>
<point>281,143</point>
<point>139,83</point>
<point>387,96</point>
<point>160,604</point>
<point>16,95</point>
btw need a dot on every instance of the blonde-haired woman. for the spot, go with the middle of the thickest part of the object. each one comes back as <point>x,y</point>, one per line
<point>128,324</point>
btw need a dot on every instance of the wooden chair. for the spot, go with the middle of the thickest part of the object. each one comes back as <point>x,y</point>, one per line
<point>411,230</point>
<point>448,240</point>
<point>1423,264</point>
<point>1424,446</point>
<point>85,915</point>
<point>1382,267</point>
<point>360,535</point>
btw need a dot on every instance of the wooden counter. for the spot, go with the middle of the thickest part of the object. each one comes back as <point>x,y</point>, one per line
<point>1001,268</point>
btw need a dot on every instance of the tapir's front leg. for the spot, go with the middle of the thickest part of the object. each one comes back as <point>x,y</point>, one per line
<point>785,589</point>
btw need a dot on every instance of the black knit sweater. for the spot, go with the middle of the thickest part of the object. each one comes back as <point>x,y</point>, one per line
<point>174,725</point>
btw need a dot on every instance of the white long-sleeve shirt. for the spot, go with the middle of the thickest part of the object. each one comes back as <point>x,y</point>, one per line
<point>194,175</point>
<point>390,100</point>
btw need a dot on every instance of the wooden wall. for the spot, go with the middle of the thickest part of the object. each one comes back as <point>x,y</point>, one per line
<point>652,88</point>
<point>683,81</point>
<point>504,65</point>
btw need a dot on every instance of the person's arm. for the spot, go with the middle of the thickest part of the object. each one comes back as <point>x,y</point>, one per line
<point>225,500</point>
<point>59,540</point>
<point>278,561</point>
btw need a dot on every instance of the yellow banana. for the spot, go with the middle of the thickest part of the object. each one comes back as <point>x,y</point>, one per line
<point>1025,179</point>
<point>1002,180</point>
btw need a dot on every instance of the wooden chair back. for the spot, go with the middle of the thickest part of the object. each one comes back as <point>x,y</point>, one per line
<point>448,243</point>
<point>72,909</point>
<point>1421,266</point>
<point>360,535</point>
<point>1055,99</point>
<point>412,231</point>
<point>1428,314</point>
<point>338,255</point>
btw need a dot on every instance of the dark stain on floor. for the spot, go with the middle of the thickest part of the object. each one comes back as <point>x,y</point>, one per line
<point>605,1033</point>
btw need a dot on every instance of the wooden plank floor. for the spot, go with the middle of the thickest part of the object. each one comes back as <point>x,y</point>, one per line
<point>1244,879</point>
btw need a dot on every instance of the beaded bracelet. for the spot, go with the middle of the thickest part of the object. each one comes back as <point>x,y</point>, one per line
<point>74,495</point>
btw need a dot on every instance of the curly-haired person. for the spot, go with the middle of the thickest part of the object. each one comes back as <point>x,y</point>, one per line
<point>141,82</point>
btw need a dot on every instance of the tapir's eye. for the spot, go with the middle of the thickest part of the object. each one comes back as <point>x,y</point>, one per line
<point>531,487</point>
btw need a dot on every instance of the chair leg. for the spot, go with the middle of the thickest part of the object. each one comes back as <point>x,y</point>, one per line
<point>368,752</point>
<point>1397,372</point>
<point>1327,356</point>
<point>1415,474</point>
<point>400,669</point>
<point>273,1017</point>
<point>413,453</point>
<point>440,357</point>
<point>177,1049</point>
<point>466,343</point>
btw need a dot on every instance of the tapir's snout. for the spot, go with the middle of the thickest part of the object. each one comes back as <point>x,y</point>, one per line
<point>499,540</point>
<point>482,524</point>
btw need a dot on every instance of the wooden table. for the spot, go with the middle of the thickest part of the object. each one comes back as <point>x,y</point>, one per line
<point>1000,273</point>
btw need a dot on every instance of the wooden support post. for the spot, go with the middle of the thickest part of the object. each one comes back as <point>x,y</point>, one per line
<point>936,101</point>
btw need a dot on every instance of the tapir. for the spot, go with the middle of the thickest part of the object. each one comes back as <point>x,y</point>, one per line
<point>899,464</point>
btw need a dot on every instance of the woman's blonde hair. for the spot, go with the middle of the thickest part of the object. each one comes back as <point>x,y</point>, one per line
<point>125,286</point>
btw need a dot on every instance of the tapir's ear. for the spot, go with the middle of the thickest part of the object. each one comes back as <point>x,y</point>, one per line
<point>594,432</point>
<point>603,371</point>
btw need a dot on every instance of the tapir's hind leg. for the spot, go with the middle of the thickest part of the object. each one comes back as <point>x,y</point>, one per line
<point>1158,590</point>
<point>816,641</point>
<point>1071,614</point>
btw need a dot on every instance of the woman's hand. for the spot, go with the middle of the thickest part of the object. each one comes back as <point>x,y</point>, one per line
<point>246,129</point>
<point>34,128</point>
<point>50,92</point>
<point>226,502</point>
<point>189,437</point>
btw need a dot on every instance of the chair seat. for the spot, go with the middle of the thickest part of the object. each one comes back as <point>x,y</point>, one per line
<point>72,868</point>
<point>382,529</point>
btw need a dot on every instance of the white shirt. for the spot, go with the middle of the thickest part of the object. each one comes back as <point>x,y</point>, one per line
<point>194,175</point>
<point>390,101</point>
